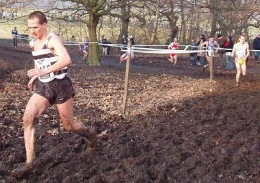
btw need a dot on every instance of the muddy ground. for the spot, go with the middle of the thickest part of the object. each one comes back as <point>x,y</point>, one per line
<point>177,127</point>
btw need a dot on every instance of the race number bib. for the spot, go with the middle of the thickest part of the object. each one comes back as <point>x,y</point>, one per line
<point>44,63</point>
<point>210,51</point>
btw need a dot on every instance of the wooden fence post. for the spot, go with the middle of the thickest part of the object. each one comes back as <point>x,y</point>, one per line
<point>127,74</point>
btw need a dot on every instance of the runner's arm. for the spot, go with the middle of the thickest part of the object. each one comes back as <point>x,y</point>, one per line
<point>31,82</point>
<point>247,51</point>
<point>233,51</point>
<point>169,46</point>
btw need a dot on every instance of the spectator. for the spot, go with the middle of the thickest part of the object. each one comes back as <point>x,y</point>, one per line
<point>15,36</point>
<point>124,43</point>
<point>103,42</point>
<point>256,46</point>
<point>201,55</point>
<point>221,42</point>
<point>108,46</point>
<point>229,45</point>
<point>193,55</point>
<point>72,41</point>
<point>132,40</point>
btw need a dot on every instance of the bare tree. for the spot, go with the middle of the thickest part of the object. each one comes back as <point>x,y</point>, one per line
<point>231,15</point>
<point>154,8</point>
<point>124,7</point>
<point>94,10</point>
<point>170,11</point>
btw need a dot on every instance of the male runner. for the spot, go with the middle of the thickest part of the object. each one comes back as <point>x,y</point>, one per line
<point>53,86</point>
<point>240,52</point>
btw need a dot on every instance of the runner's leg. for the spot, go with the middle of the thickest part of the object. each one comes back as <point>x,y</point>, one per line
<point>210,64</point>
<point>175,60</point>
<point>66,115</point>
<point>238,67</point>
<point>243,68</point>
<point>35,107</point>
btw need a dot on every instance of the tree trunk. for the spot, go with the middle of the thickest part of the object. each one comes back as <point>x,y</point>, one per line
<point>125,25</point>
<point>94,56</point>
<point>213,22</point>
<point>155,26</point>
<point>125,18</point>
<point>174,31</point>
<point>183,23</point>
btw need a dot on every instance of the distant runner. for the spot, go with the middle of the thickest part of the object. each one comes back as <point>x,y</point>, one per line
<point>240,52</point>
<point>173,46</point>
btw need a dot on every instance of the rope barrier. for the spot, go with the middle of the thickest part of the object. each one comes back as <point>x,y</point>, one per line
<point>137,48</point>
<point>170,51</point>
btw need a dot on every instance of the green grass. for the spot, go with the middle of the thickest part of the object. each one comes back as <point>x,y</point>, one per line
<point>7,27</point>
<point>64,29</point>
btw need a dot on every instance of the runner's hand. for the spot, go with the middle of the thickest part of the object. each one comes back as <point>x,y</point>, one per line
<point>31,83</point>
<point>36,72</point>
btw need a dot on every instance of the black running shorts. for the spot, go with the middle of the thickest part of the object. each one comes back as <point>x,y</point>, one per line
<point>56,91</point>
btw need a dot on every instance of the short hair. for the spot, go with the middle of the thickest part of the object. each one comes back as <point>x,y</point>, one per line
<point>40,15</point>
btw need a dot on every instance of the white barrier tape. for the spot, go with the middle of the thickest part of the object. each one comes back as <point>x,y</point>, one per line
<point>156,49</point>
<point>144,50</point>
<point>170,51</point>
<point>143,45</point>
<point>20,37</point>
<point>79,43</point>
<point>113,45</point>
<point>149,45</point>
<point>186,47</point>
<point>136,46</point>
<point>215,48</point>
<point>71,44</point>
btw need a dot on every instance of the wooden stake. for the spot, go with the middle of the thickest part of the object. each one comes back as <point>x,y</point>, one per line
<point>127,75</point>
<point>210,68</point>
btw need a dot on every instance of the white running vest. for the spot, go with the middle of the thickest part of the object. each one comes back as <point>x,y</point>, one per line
<point>43,59</point>
<point>241,50</point>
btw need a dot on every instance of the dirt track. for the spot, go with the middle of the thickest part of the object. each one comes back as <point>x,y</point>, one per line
<point>175,130</point>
